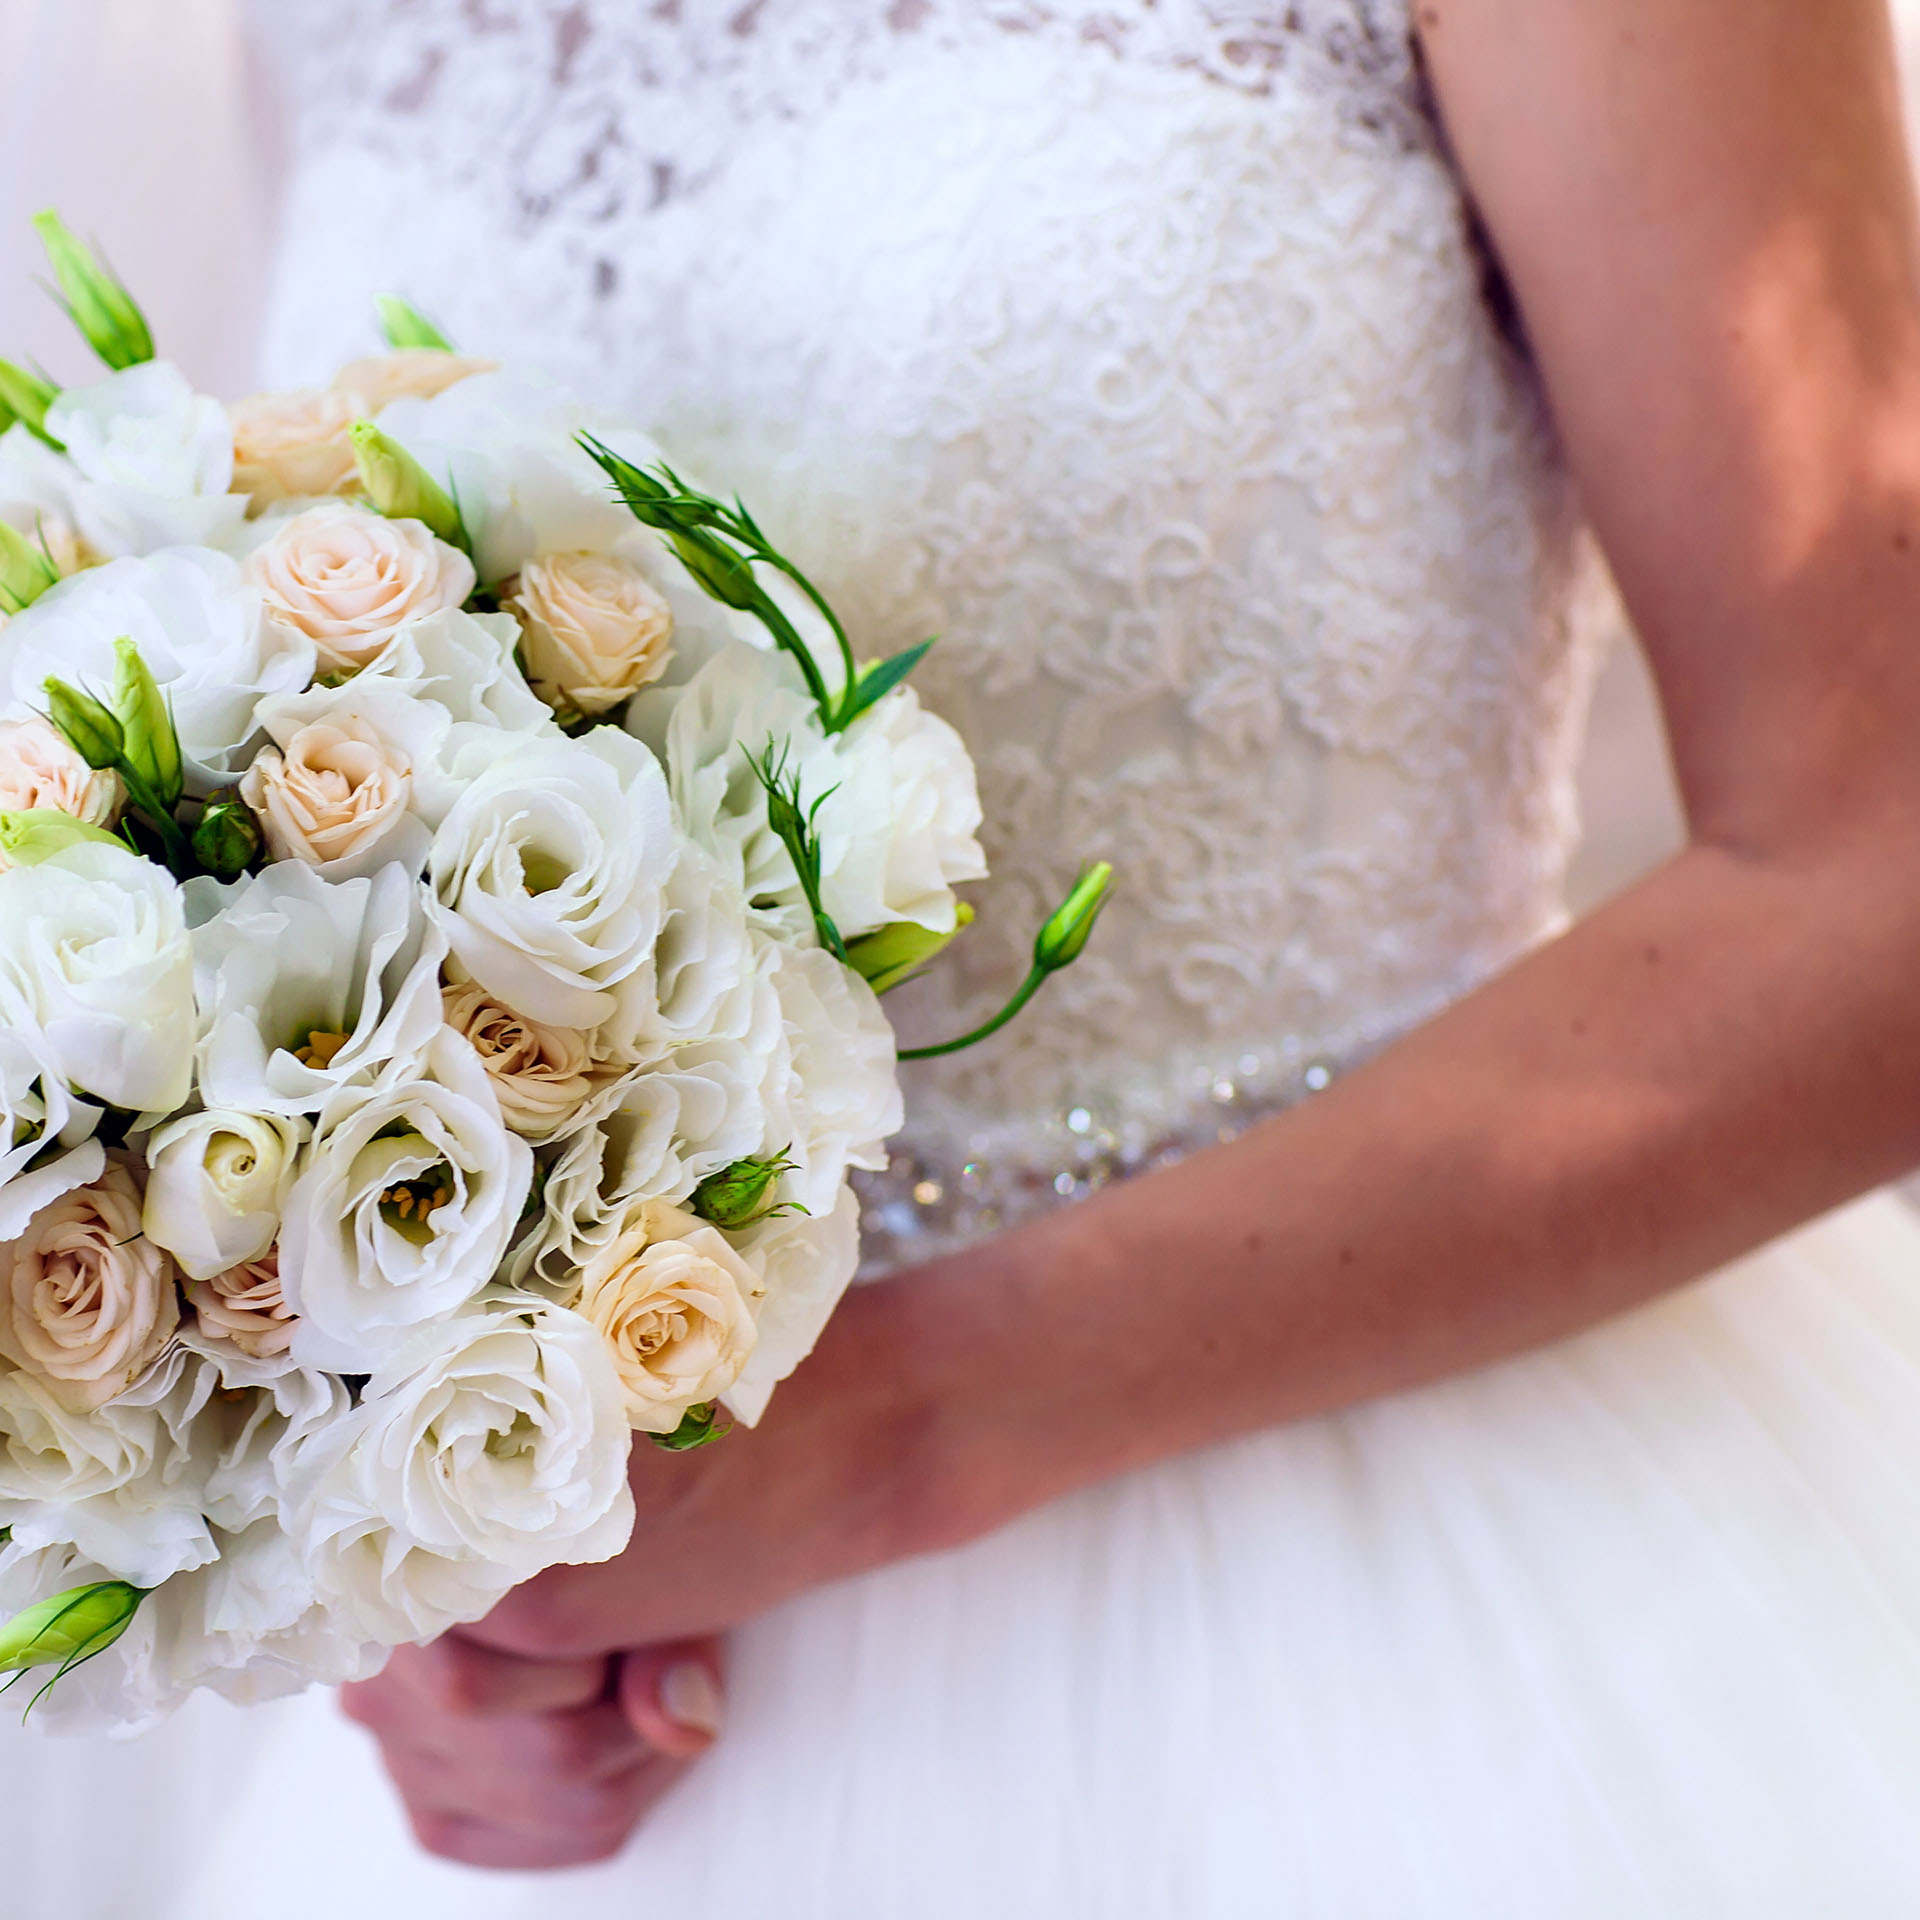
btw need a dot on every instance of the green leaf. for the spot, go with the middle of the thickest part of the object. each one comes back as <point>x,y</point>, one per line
<point>792,824</point>
<point>880,679</point>
<point>406,327</point>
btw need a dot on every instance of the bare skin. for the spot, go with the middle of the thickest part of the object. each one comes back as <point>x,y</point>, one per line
<point>1704,208</point>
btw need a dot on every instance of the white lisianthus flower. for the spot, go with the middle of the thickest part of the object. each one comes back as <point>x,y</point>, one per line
<point>699,981</point>
<point>833,1089</point>
<point>40,1120</point>
<point>96,968</point>
<point>460,663</point>
<point>217,1182</point>
<point>151,460</point>
<point>347,580</point>
<point>654,1134</point>
<point>899,807</point>
<point>675,1304</point>
<point>306,985</point>
<point>548,871</point>
<point>406,1201</point>
<point>87,1302</point>
<point>805,1262</point>
<point>492,1447</point>
<point>199,631</point>
<point>293,446</point>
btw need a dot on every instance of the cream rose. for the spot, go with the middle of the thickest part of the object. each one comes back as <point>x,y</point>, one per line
<point>541,1075</point>
<point>88,1302</point>
<point>412,373</point>
<point>348,580</point>
<point>292,446</point>
<point>39,770</point>
<point>674,1303</point>
<point>336,794</point>
<point>245,1305</point>
<point>216,1183</point>
<point>595,629</point>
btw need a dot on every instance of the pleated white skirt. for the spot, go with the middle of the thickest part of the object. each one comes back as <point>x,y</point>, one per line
<point>1630,1627</point>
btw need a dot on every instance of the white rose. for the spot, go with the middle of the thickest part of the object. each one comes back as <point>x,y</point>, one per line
<point>46,1134</point>
<point>405,1204</point>
<point>216,1184</point>
<point>96,964</point>
<point>541,1075</point>
<point>548,871</point>
<point>87,1301</point>
<point>39,770</point>
<point>152,462</point>
<point>492,1448</point>
<point>337,796</point>
<point>294,446</point>
<point>410,373</point>
<point>246,1306</point>
<point>674,1304</point>
<point>596,629</point>
<point>899,806</point>
<point>306,984</point>
<point>347,579</point>
<point>805,1263</point>
<point>198,629</point>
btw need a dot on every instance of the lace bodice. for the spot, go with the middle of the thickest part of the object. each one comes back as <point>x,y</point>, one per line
<point>1136,347</point>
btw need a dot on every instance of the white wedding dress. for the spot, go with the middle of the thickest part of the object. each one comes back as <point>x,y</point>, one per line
<point>1143,350</point>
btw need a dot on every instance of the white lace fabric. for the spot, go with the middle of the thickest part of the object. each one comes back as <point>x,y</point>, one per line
<point>1138,350</point>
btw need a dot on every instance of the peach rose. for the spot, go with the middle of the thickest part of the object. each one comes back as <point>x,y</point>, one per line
<point>39,770</point>
<point>334,792</point>
<point>673,1301</point>
<point>541,1075</point>
<point>290,446</point>
<point>87,1301</point>
<point>246,1306</point>
<point>350,580</point>
<point>595,630</point>
<point>412,373</point>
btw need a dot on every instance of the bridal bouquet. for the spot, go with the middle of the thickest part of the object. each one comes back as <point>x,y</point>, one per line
<point>448,865</point>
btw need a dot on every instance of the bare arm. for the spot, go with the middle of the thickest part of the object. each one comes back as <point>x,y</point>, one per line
<point>1704,209</point>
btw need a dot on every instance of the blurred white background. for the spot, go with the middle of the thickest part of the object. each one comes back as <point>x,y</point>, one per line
<point>141,121</point>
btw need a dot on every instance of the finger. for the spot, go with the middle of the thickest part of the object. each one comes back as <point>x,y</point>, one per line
<point>673,1696</point>
<point>591,1744</point>
<point>455,1675</point>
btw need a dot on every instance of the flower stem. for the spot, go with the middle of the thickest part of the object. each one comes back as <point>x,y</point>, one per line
<point>1027,989</point>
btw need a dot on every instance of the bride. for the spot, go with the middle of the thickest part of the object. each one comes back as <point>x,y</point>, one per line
<point>1288,1473</point>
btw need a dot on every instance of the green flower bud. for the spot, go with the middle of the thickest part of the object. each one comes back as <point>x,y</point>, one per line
<point>397,485</point>
<point>898,951</point>
<point>37,833</point>
<point>90,730</point>
<point>405,327</point>
<point>698,1427</point>
<point>27,397</point>
<point>738,1195</point>
<point>26,570</point>
<point>71,1627</point>
<point>227,841</point>
<point>101,307</point>
<point>152,749</point>
<point>1064,937</point>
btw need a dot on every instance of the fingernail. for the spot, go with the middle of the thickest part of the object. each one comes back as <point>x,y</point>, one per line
<point>690,1695</point>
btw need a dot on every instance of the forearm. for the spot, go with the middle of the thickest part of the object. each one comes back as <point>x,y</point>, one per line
<point>1727,1050</point>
